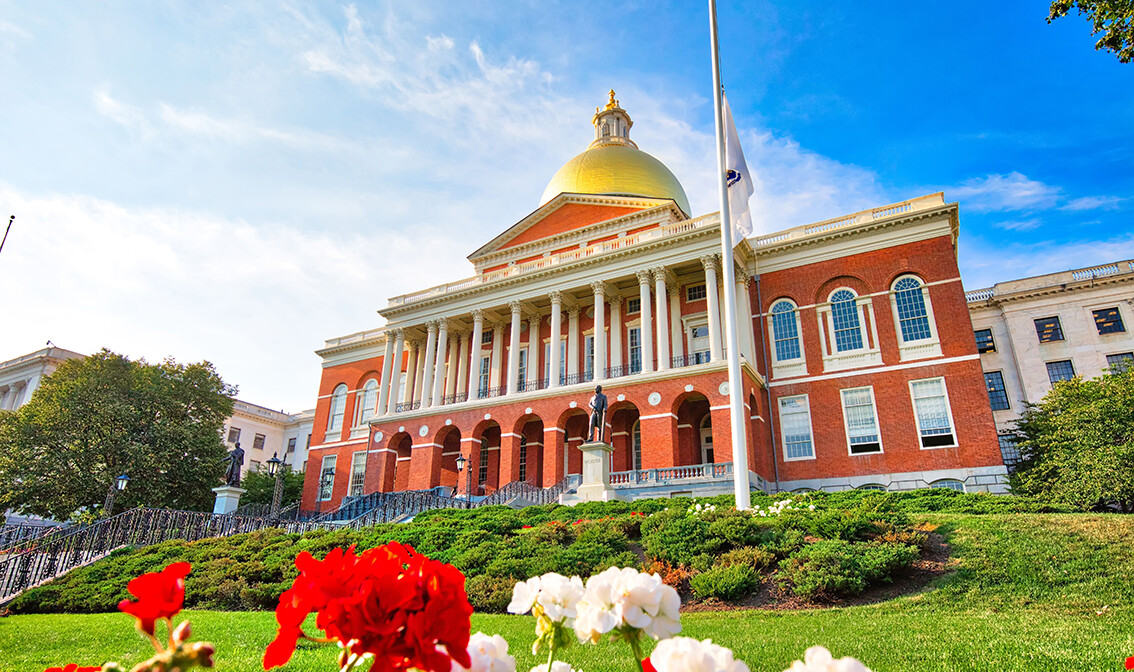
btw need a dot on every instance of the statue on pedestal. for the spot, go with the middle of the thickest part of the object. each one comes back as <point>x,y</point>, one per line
<point>235,460</point>
<point>597,404</point>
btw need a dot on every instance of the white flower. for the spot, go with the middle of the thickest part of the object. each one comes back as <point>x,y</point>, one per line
<point>487,654</point>
<point>559,596</point>
<point>685,654</point>
<point>618,597</point>
<point>557,666</point>
<point>819,659</point>
<point>524,596</point>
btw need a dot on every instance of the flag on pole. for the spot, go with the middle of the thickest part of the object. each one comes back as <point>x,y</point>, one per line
<point>740,186</point>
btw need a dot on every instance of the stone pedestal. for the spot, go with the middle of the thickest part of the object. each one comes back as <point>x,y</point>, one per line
<point>596,476</point>
<point>228,499</point>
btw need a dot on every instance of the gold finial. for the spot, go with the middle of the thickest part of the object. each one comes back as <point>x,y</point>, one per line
<point>613,103</point>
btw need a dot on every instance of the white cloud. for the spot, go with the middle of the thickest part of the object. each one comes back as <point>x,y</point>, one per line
<point>984,263</point>
<point>1014,191</point>
<point>439,42</point>
<point>1094,203</point>
<point>127,116</point>
<point>235,130</point>
<point>1019,225</point>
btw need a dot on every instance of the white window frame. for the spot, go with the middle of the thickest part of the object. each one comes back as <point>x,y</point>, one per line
<point>689,289</point>
<point>636,445</point>
<point>231,438</point>
<point>934,486</point>
<point>783,429</point>
<point>522,365</point>
<point>870,354</point>
<point>630,349</point>
<point>787,368</point>
<point>926,347</point>
<point>630,310</point>
<point>695,321</point>
<point>484,376</point>
<point>352,483</point>
<point>562,359</point>
<point>360,416</point>
<point>948,411</point>
<point>323,469</point>
<point>589,356</point>
<point>846,423</point>
<point>337,413</point>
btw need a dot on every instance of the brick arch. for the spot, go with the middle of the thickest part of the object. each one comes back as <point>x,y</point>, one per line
<point>397,454</point>
<point>572,424</point>
<point>621,419</point>
<point>448,442</point>
<point>691,408</point>
<point>376,375</point>
<point>526,447</point>
<point>851,281</point>
<point>783,297</point>
<point>901,274</point>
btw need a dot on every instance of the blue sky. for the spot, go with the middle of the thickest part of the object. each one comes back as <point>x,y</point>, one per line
<point>239,182</point>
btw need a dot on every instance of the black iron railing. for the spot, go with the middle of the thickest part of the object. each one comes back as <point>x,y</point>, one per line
<point>408,406</point>
<point>489,392</point>
<point>689,360</point>
<point>13,534</point>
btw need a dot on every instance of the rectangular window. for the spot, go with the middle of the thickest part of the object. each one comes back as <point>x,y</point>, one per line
<point>1009,451</point>
<point>258,442</point>
<point>861,421</point>
<point>254,466</point>
<point>485,369</point>
<point>634,305</point>
<point>695,292</point>
<point>637,443</point>
<point>482,471</point>
<point>291,445</point>
<point>309,442</point>
<point>1121,361</point>
<point>589,358</point>
<point>233,434</point>
<point>326,478</point>
<point>523,458</point>
<point>1108,321</point>
<point>931,409</point>
<point>562,361</point>
<point>1061,370</point>
<point>523,367</point>
<point>634,345</point>
<point>699,343</point>
<point>795,424</point>
<point>1049,329</point>
<point>357,473</point>
<point>984,342</point>
<point>997,393</point>
<point>485,337</point>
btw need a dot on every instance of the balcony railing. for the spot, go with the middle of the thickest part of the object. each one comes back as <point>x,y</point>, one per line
<point>455,398</point>
<point>642,477</point>
<point>858,218</point>
<point>689,360</point>
<point>408,406</point>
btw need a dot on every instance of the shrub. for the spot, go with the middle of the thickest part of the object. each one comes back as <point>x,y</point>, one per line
<point>749,556</point>
<point>725,583</point>
<point>674,577</point>
<point>836,567</point>
<point>489,594</point>
<point>677,538</point>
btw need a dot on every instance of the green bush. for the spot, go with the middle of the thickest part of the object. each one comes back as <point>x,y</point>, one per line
<point>725,583</point>
<point>750,556</point>
<point>489,594</point>
<point>836,567</point>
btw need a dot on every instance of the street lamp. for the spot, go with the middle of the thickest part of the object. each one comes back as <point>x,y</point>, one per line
<point>461,462</point>
<point>116,486</point>
<point>274,465</point>
<point>328,479</point>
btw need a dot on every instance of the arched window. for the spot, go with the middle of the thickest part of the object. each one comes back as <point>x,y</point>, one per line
<point>605,130</point>
<point>872,486</point>
<point>366,402</point>
<point>913,317</point>
<point>949,484</point>
<point>338,409</point>
<point>844,314</point>
<point>785,330</point>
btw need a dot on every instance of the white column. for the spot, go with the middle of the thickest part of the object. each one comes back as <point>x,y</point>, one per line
<point>647,329</point>
<point>533,352</point>
<point>573,342</point>
<point>411,373</point>
<point>384,383</point>
<point>419,366</point>
<point>663,318</point>
<point>710,264</point>
<point>474,357</point>
<point>430,364</point>
<point>600,330</point>
<point>497,355</point>
<point>4,392</point>
<point>439,366</point>
<point>451,367</point>
<point>395,372</point>
<point>615,331</point>
<point>514,348</point>
<point>743,318</point>
<point>463,365</point>
<point>556,337</point>
<point>676,343</point>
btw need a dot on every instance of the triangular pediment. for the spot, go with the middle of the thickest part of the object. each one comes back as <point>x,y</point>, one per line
<point>564,214</point>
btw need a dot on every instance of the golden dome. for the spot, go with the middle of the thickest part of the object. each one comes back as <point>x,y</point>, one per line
<point>613,165</point>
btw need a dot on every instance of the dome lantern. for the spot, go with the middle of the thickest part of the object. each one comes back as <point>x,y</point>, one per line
<point>612,125</point>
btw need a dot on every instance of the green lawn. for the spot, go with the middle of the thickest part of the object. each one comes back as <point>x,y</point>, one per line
<point>1025,596</point>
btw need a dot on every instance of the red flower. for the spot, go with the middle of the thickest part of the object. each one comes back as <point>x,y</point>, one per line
<point>389,601</point>
<point>1130,663</point>
<point>647,666</point>
<point>527,527</point>
<point>74,667</point>
<point>160,595</point>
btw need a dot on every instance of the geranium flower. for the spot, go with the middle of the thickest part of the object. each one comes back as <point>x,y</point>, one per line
<point>626,598</point>
<point>488,654</point>
<point>160,595</point>
<point>74,667</point>
<point>390,601</point>
<point>524,595</point>
<point>819,659</point>
<point>685,654</point>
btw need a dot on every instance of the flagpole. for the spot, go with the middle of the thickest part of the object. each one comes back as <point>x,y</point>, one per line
<point>735,382</point>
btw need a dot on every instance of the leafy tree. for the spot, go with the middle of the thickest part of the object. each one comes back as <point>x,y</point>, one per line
<point>1113,18</point>
<point>105,415</point>
<point>261,487</point>
<point>1078,443</point>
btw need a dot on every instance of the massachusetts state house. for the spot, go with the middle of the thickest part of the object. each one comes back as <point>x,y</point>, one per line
<point>859,364</point>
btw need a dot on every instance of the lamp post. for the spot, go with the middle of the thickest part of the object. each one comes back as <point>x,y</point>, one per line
<point>462,462</point>
<point>116,486</point>
<point>327,479</point>
<point>274,465</point>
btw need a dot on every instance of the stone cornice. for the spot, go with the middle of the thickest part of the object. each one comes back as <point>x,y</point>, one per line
<point>893,221</point>
<point>1051,290</point>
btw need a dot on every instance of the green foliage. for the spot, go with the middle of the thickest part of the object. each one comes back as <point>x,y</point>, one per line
<point>750,556</point>
<point>726,583</point>
<point>105,415</point>
<point>1078,444</point>
<point>836,567</point>
<point>490,594</point>
<point>261,487</point>
<point>1113,18</point>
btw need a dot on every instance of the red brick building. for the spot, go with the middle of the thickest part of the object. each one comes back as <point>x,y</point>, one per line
<point>858,357</point>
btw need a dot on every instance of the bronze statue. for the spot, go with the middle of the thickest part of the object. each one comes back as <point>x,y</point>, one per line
<point>597,404</point>
<point>235,460</point>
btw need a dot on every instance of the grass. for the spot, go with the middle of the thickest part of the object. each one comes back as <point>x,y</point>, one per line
<point>1026,595</point>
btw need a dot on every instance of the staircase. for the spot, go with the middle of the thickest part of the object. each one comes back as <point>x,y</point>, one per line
<point>32,558</point>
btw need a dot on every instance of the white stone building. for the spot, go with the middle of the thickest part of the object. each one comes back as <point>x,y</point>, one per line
<point>263,432</point>
<point>1034,332</point>
<point>20,377</point>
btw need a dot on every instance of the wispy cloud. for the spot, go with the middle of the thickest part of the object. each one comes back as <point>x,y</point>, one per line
<point>984,263</point>
<point>1019,225</point>
<point>998,193</point>
<point>1094,203</point>
<point>127,116</point>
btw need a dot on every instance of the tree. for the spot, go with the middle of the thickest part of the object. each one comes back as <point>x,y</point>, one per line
<point>1113,18</point>
<point>1077,444</point>
<point>105,415</point>
<point>261,487</point>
